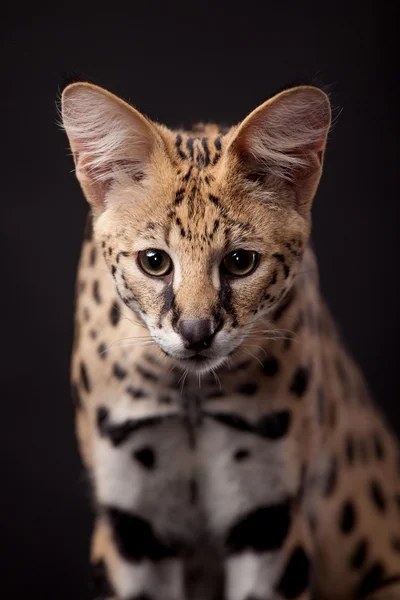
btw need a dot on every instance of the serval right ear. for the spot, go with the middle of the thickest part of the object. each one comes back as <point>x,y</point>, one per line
<point>285,139</point>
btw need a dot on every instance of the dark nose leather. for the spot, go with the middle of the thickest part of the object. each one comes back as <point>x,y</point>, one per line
<point>197,334</point>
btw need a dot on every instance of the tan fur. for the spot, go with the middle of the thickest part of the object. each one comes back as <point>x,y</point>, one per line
<point>198,200</point>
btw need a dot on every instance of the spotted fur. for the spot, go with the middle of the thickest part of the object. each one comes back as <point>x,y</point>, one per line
<point>258,468</point>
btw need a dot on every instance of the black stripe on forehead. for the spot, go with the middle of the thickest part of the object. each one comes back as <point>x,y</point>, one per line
<point>218,148</point>
<point>206,157</point>
<point>178,145</point>
<point>190,147</point>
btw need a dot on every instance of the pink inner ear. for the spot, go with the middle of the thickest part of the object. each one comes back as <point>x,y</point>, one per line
<point>288,137</point>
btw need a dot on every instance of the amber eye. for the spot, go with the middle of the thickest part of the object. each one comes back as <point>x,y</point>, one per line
<point>240,262</point>
<point>155,262</point>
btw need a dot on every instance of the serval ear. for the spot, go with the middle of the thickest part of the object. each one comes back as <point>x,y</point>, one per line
<point>283,141</point>
<point>110,140</point>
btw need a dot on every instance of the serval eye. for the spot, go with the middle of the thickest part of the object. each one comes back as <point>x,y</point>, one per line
<point>240,263</point>
<point>155,262</point>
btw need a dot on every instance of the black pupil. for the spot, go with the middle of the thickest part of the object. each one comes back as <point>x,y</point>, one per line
<point>241,260</point>
<point>155,259</point>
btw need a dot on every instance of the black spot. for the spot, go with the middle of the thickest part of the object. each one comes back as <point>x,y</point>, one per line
<point>300,381</point>
<point>102,350</point>
<point>349,449</point>
<point>296,576</point>
<point>395,544</point>
<point>119,432</point>
<point>135,538</point>
<point>136,393</point>
<point>274,279</point>
<point>241,454</point>
<point>113,270</point>
<point>272,426</point>
<point>76,399</point>
<point>372,580</point>
<point>100,586</point>
<point>377,496</point>
<point>179,197</point>
<point>118,371</point>
<point>263,530</point>
<point>283,305</point>
<point>332,415</point>
<point>101,419</point>
<point>275,425</point>
<point>88,230</point>
<point>215,394</point>
<point>146,457</point>
<point>152,359</point>
<point>249,389</point>
<point>214,200</point>
<point>96,292</point>
<point>359,555</point>
<point>92,258</point>
<point>270,366</point>
<point>165,399</point>
<point>146,374</point>
<point>193,491</point>
<point>286,270</point>
<point>379,447</point>
<point>363,450</point>
<point>232,420</point>
<point>115,314</point>
<point>321,406</point>
<point>347,518</point>
<point>331,478</point>
<point>279,257</point>
<point>110,250</point>
<point>84,377</point>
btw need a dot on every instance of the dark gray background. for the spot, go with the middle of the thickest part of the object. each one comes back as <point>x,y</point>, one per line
<point>197,61</point>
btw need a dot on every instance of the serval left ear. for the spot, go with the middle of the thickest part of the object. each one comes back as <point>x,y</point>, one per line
<point>109,140</point>
<point>285,139</point>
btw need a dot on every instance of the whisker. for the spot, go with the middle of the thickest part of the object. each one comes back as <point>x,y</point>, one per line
<point>256,346</point>
<point>183,378</point>
<point>251,354</point>
<point>217,379</point>
<point>131,344</point>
